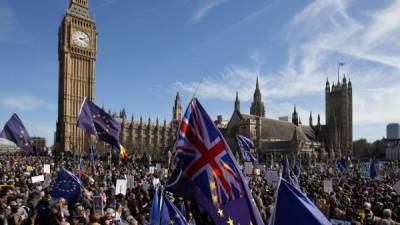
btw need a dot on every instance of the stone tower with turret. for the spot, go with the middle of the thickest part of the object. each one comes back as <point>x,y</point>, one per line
<point>339,116</point>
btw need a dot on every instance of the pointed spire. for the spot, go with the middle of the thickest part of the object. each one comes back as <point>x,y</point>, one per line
<point>237,103</point>
<point>257,106</point>
<point>295,117</point>
<point>311,120</point>
<point>319,120</point>
<point>257,86</point>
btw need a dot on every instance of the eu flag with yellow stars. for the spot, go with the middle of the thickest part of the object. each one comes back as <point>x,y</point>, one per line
<point>96,121</point>
<point>14,131</point>
<point>67,186</point>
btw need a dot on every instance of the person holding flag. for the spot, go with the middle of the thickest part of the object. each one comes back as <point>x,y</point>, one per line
<point>207,172</point>
<point>92,168</point>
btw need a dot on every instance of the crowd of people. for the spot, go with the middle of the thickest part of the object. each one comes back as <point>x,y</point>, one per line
<point>355,199</point>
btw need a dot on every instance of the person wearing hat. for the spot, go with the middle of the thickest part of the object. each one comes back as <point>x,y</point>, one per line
<point>370,218</point>
<point>107,219</point>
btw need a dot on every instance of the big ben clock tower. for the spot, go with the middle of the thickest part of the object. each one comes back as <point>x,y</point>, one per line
<point>77,58</point>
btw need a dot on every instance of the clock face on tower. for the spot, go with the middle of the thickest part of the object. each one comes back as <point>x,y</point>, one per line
<point>80,39</point>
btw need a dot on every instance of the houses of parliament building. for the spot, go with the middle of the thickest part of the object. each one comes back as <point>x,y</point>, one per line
<point>77,41</point>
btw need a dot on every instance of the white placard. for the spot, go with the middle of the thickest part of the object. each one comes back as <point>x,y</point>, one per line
<point>156,182</point>
<point>272,177</point>
<point>120,187</point>
<point>37,179</point>
<point>151,169</point>
<point>248,168</point>
<point>130,181</point>
<point>46,168</point>
<point>158,166</point>
<point>396,187</point>
<point>340,222</point>
<point>328,187</point>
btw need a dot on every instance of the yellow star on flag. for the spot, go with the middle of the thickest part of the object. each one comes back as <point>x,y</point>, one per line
<point>220,213</point>
<point>229,221</point>
<point>215,199</point>
<point>213,185</point>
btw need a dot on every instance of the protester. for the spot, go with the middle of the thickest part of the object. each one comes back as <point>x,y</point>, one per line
<point>355,199</point>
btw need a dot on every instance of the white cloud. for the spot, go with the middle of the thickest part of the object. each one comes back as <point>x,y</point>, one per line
<point>23,103</point>
<point>318,36</point>
<point>206,8</point>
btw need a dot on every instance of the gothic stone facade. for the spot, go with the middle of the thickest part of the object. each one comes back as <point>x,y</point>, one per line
<point>77,57</point>
<point>149,138</point>
<point>276,138</point>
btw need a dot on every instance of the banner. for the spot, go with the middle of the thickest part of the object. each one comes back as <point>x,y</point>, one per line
<point>151,169</point>
<point>365,170</point>
<point>248,168</point>
<point>46,168</point>
<point>120,187</point>
<point>156,182</point>
<point>37,179</point>
<point>272,177</point>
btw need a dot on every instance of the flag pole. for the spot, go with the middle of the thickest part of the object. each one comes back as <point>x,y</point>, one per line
<point>197,89</point>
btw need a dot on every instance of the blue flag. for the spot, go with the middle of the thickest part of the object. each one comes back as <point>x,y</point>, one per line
<point>170,214</point>
<point>341,165</point>
<point>182,208</point>
<point>155,213</point>
<point>246,146</point>
<point>207,173</point>
<point>14,131</point>
<point>293,207</point>
<point>95,121</point>
<point>67,186</point>
<point>289,176</point>
<point>372,171</point>
<point>92,165</point>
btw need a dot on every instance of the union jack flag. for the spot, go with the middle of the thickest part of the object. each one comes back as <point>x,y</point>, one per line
<point>203,156</point>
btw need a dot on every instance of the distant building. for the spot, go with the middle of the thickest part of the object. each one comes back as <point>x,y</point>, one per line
<point>284,118</point>
<point>40,143</point>
<point>392,149</point>
<point>276,138</point>
<point>393,131</point>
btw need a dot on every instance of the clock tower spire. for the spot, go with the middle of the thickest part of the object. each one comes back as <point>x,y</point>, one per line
<point>84,3</point>
<point>77,49</point>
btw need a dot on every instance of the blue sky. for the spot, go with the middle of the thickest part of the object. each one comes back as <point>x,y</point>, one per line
<point>149,50</point>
